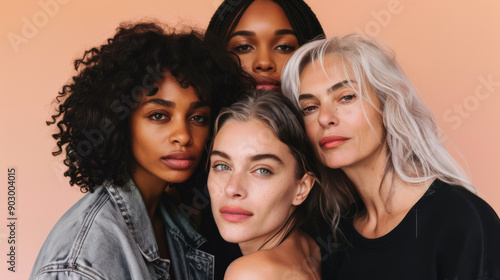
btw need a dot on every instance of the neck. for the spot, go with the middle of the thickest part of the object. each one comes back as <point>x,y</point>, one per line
<point>387,200</point>
<point>367,178</point>
<point>150,187</point>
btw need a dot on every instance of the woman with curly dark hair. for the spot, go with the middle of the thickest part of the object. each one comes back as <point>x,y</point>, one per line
<point>133,124</point>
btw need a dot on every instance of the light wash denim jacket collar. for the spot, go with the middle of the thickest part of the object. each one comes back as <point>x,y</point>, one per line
<point>108,235</point>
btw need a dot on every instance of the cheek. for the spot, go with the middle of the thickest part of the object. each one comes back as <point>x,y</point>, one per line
<point>281,61</point>
<point>213,183</point>
<point>309,123</point>
<point>277,209</point>
<point>281,200</point>
<point>312,131</point>
<point>200,136</point>
<point>246,61</point>
<point>368,131</point>
<point>216,184</point>
<point>139,140</point>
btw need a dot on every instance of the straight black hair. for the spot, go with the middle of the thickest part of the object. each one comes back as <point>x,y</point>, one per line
<point>301,17</point>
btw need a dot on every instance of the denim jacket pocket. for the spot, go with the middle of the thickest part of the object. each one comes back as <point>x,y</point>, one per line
<point>201,263</point>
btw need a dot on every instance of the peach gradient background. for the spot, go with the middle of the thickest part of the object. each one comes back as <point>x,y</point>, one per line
<point>446,47</point>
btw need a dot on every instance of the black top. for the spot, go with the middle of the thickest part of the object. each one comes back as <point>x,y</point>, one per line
<point>450,233</point>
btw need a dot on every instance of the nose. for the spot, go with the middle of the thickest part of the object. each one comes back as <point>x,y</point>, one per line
<point>328,116</point>
<point>180,133</point>
<point>264,61</point>
<point>235,187</point>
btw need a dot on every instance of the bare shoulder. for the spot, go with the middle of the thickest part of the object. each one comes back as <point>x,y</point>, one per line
<point>293,259</point>
<point>258,265</point>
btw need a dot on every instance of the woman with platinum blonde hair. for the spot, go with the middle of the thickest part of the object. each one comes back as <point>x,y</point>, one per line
<point>403,205</point>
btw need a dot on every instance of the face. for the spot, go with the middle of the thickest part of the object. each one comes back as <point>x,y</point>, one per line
<point>263,39</point>
<point>168,131</point>
<point>335,120</point>
<point>252,183</point>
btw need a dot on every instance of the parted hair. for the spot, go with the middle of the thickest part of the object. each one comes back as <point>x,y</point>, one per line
<point>304,22</point>
<point>416,150</point>
<point>92,114</point>
<point>285,121</point>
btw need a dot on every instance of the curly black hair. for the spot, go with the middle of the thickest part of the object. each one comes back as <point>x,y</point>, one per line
<point>93,110</point>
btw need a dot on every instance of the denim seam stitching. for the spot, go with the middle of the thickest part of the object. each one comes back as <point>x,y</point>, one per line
<point>89,219</point>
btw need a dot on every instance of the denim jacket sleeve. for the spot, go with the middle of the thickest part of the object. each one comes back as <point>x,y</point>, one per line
<point>105,235</point>
<point>108,235</point>
<point>57,271</point>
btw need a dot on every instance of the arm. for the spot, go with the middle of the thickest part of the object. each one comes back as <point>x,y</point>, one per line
<point>60,271</point>
<point>471,249</point>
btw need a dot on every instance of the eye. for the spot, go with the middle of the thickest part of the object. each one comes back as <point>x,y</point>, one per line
<point>243,48</point>
<point>158,117</point>
<point>309,109</point>
<point>285,48</point>
<point>220,167</point>
<point>200,119</point>
<point>263,171</point>
<point>347,98</point>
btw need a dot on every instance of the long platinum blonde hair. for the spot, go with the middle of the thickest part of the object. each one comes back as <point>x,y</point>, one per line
<point>416,151</point>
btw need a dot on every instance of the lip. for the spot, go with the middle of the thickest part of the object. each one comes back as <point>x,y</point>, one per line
<point>235,214</point>
<point>179,160</point>
<point>332,141</point>
<point>268,83</point>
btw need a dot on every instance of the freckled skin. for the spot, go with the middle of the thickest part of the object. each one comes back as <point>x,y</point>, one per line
<point>265,187</point>
<point>341,113</point>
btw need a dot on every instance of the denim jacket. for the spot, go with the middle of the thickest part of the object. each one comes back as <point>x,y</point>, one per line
<point>108,235</point>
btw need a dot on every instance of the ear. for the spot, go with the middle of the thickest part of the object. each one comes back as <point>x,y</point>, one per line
<point>304,187</point>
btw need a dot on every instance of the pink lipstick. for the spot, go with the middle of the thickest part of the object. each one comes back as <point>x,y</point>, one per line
<point>235,214</point>
<point>329,142</point>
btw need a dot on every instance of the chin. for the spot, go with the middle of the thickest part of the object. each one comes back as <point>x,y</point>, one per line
<point>229,234</point>
<point>178,177</point>
<point>333,161</point>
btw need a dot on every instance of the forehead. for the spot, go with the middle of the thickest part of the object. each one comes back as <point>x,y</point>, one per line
<point>247,138</point>
<point>263,13</point>
<point>252,130</point>
<point>331,68</point>
<point>171,89</point>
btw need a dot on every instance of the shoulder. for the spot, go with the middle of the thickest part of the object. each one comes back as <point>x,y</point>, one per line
<point>455,211</point>
<point>90,225</point>
<point>258,265</point>
<point>459,205</point>
<point>463,228</point>
<point>80,217</point>
<point>55,271</point>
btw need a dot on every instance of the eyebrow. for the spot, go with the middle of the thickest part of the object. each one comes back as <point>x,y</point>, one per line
<point>219,153</point>
<point>266,156</point>
<point>251,33</point>
<point>252,158</point>
<point>160,102</point>
<point>170,104</point>
<point>284,32</point>
<point>329,90</point>
<point>339,85</point>
<point>199,104</point>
